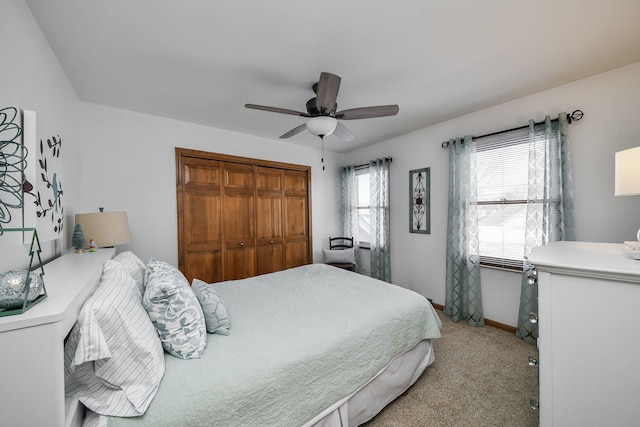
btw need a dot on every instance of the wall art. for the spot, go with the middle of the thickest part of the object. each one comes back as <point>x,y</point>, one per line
<point>12,163</point>
<point>43,190</point>
<point>419,201</point>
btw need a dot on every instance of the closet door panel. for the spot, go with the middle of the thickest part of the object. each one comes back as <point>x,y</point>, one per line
<point>203,214</point>
<point>199,226</point>
<point>269,231</point>
<point>205,265</point>
<point>296,219</point>
<point>239,221</point>
<point>270,257</point>
<point>297,254</point>
<point>240,261</point>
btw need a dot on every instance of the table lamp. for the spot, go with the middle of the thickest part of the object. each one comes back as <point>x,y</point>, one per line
<point>106,229</point>
<point>628,174</point>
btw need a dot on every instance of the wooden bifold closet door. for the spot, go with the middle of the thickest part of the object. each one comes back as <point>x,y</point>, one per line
<point>240,217</point>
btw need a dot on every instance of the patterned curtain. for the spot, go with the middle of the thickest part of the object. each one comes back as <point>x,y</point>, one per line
<point>349,190</point>
<point>380,237</point>
<point>463,299</point>
<point>549,207</point>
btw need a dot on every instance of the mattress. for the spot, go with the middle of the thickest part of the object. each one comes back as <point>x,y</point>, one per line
<point>301,341</point>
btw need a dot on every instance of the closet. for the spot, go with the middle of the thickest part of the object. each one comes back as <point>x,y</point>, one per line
<point>240,217</point>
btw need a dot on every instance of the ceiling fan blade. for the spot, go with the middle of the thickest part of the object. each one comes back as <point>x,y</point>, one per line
<point>368,112</point>
<point>276,110</point>
<point>296,130</point>
<point>343,133</point>
<point>327,92</point>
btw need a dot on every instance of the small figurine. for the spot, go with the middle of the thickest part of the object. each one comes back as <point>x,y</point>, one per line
<point>92,245</point>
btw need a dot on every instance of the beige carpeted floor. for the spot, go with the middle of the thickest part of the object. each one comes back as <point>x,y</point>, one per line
<point>480,378</point>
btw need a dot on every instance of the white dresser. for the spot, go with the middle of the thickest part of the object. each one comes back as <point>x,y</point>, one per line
<point>589,337</point>
<point>32,344</point>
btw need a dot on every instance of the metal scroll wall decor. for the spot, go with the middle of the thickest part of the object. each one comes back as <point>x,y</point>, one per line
<point>419,201</point>
<point>19,289</point>
<point>12,164</point>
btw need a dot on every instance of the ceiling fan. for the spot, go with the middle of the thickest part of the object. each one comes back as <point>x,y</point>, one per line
<point>322,111</point>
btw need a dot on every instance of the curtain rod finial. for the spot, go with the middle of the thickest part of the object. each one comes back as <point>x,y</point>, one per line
<point>577,115</point>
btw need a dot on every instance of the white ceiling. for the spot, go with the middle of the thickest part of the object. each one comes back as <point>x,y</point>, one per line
<point>200,61</point>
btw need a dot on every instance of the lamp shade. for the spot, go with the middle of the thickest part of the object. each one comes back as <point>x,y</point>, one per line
<point>322,125</point>
<point>105,228</point>
<point>628,172</point>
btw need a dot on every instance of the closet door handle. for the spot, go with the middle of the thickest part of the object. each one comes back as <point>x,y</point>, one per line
<point>271,242</point>
<point>242,244</point>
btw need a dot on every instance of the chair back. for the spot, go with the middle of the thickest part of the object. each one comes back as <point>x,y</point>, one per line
<point>340,242</point>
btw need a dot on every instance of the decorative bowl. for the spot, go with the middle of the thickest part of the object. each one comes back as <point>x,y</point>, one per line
<point>12,284</point>
<point>632,254</point>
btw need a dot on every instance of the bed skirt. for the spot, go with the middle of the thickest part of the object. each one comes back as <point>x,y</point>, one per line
<point>366,402</point>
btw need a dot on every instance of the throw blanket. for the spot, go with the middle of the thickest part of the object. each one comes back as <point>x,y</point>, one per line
<point>300,340</point>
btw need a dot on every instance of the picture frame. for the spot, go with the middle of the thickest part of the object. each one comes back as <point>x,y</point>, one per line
<point>420,201</point>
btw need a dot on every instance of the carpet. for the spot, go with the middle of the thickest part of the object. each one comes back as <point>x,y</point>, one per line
<point>480,377</point>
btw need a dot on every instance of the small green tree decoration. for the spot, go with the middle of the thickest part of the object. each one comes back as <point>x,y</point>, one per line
<point>78,240</point>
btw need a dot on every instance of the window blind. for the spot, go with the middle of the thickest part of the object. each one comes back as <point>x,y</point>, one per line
<point>502,166</point>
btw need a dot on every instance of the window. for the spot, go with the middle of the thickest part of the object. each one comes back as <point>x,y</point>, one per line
<point>502,168</point>
<point>364,210</point>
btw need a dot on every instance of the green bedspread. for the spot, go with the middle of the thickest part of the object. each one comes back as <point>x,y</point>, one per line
<point>300,340</point>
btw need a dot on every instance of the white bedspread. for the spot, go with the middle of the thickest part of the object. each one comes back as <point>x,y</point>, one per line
<point>300,340</point>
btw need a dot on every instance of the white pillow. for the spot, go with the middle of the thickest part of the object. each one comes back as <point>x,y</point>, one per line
<point>134,267</point>
<point>174,310</point>
<point>340,256</point>
<point>114,361</point>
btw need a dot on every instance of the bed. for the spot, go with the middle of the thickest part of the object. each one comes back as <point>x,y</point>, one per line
<point>309,346</point>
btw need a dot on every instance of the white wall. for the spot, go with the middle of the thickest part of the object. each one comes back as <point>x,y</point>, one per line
<point>128,163</point>
<point>32,79</point>
<point>125,160</point>
<point>610,102</point>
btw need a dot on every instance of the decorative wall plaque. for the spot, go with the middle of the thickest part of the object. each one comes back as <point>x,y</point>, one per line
<point>419,201</point>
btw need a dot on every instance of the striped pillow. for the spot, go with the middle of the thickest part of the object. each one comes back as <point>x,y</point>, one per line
<point>134,267</point>
<point>114,361</point>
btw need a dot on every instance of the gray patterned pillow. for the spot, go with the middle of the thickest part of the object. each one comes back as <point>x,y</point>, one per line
<point>215,312</point>
<point>174,310</point>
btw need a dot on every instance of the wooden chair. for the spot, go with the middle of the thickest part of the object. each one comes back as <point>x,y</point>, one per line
<point>338,244</point>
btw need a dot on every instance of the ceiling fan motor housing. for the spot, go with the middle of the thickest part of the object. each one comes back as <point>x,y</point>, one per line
<point>312,109</point>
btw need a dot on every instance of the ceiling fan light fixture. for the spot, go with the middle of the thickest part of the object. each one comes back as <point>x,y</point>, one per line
<point>322,125</point>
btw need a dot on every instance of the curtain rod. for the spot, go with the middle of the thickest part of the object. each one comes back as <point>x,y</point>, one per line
<point>575,116</point>
<point>366,165</point>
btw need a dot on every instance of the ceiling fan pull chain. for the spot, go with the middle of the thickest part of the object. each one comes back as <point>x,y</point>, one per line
<point>322,145</point>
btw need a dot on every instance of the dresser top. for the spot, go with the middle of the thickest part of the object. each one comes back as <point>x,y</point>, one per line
<point>603,260</point>
<point>69,280</point>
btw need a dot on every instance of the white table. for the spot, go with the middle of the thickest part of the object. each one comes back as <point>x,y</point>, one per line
<point>32,344</point>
